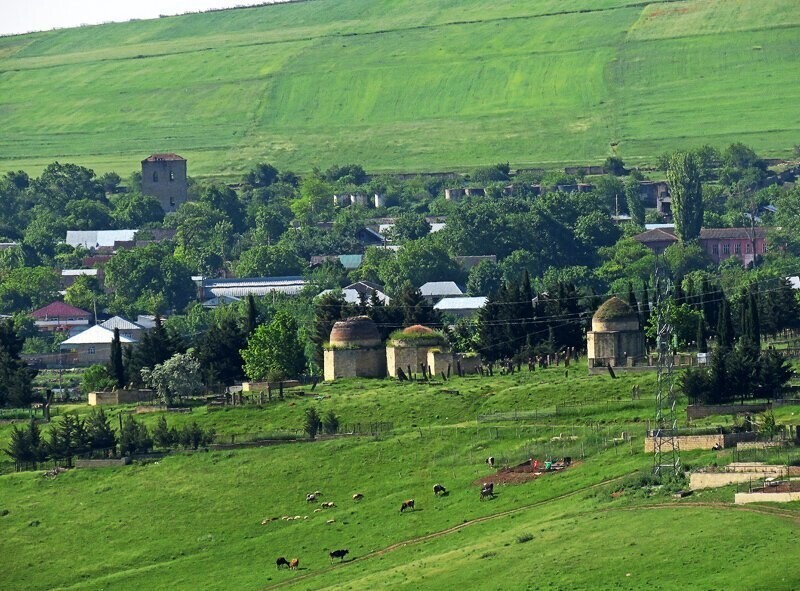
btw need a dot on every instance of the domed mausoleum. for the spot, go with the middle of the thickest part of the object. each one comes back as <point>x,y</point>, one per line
<point>616,338</point>
<point>355,350</point>
<point>416,347</point>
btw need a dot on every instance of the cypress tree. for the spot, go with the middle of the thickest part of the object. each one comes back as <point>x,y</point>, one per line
<point>633,303</point>
<point>725,335</point>
<point>116,367</point>
<point>755,323</point>
<point>251,320</point>
<point>645,307</point>
<point>702,345</point>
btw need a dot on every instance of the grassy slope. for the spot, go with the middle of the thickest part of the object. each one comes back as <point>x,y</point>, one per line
<point>193,521</point>
<point>404,84</point>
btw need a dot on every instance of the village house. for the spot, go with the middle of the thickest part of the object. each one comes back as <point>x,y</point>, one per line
<point>59,316</point>
<point>719,243</point>
<point>256,286</point>
<point>433,291</point>
<point>461,307</point>
<point>126,328</point>
<point>92,346</point>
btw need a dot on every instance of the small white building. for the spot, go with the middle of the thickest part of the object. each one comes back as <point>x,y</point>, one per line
<point>93,345</point>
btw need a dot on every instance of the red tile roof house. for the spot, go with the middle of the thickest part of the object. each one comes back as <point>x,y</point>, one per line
<point>60,316</point>
<point>719,243</point>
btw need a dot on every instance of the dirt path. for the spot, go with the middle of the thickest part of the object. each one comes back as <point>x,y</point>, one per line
<point>439,534</point>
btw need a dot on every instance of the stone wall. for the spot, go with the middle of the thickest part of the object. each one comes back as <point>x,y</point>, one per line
<point>354,363</point>
<point>700,411</point>
<point>745,498</point>
<point>105,463</point>
<point>119,397</point>
<point>690,442</point>
<point>402,357</point>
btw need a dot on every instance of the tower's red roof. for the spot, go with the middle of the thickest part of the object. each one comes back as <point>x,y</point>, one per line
<point>167,156</point>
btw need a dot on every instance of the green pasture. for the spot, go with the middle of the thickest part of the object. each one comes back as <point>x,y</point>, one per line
<point>405,85</point>
<point>194,520</point>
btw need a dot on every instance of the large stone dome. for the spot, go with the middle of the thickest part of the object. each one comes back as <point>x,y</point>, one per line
<point>359,331</point>
<point>615,314</point>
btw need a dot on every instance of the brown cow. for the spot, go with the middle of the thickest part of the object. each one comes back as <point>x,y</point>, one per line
<point>409,504</point>
<point>294,563</point>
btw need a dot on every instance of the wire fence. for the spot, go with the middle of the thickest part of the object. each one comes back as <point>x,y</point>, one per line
<point>566,410</point>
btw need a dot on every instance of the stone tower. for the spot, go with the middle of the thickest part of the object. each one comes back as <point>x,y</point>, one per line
<point>616,337</point>
<point>164,177</point>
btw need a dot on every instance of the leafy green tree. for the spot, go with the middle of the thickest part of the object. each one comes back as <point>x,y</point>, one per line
<point>155,347</point>
<point>192,436</point>
<point>134,437</point>
<point>163,436</point>
<point>67,438</point>
<point>633,200</point>
<point>262,175</point>
<point>87,214</point>
<point>175,379</point>
<point>85,293</point>
<point>684,258</point>
<point>101,435</point>
<point>96,378</point>
<point>417,263</point>
<point>134,210</point>
<point>25,288</point>
<point>218,352</point>
<point>269,261</point>
<point>16,378</point>
<point>614,165</point>
<point>146,276</point>
<point>683,176</point>
<point>26,447</point>
<point>274,351</point>
<point>410,226</point>
<point>484,278</point>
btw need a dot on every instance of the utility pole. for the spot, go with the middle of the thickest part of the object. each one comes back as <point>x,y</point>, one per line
<point>666,452</point>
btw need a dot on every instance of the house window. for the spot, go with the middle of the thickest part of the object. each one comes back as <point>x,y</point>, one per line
<point>764,248</point>
<point>715,249</point>
<point>737,248</point>
<point>91,351</point>
<point>155,177</point>
<point>171,201</point>
<point>747,248</point>
<point>726,248</point>
<point>171,175</point>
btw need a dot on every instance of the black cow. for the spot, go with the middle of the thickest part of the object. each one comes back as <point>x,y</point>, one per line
<point>282,562</point>
<point>340,554</point>
<point>438,489</point>
<point>490,461</point>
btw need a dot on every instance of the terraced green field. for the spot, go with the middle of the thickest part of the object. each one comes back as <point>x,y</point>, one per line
<point>405,84</point>
<point>194,521</point>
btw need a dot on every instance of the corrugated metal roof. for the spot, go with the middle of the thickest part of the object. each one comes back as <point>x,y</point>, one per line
<point>256,286</point>
<point>441,288</point>
<point>96,335</point>
<point>78,272</point>
<point>465,303</point>
<point>96,238</point>
<point>59,309</point>
<point>120,323</point>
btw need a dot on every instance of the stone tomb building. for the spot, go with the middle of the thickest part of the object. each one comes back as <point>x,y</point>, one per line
<point>616,339</point>
<point>355,350</point>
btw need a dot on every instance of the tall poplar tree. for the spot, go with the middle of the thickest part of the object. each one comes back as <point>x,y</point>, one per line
<point>683,176</point>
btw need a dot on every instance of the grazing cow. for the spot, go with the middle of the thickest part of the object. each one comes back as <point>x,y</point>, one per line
<point>340,554</point>
<point>490,461</point>
<point>294,563</point>
<point>409,504</point>
<point>438,489</point>
<point>358,497</point>
<point>311,497</point>
<point>487,491</point>
<point>281,562</point>
<point>328,505</point>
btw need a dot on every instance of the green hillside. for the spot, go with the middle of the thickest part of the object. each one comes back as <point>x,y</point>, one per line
<point>194,521</point>
<point>405,84</point>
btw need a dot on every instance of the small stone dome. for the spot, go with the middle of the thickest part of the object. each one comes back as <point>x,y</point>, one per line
<point>418,329</point>
<point>418,336</point>
<point>615,314</point>
<point>358,331</point>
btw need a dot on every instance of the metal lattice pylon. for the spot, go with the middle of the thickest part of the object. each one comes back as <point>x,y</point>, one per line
<point>666,452</point>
